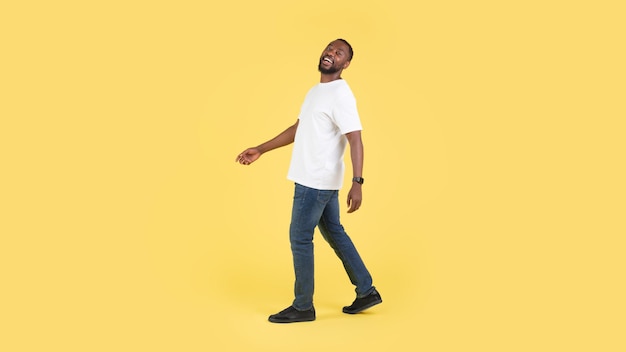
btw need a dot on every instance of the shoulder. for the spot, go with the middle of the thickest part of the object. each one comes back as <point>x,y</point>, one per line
<point>343,91</point>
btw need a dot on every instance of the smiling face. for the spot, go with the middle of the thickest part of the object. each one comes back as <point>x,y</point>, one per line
<point>335,58</point>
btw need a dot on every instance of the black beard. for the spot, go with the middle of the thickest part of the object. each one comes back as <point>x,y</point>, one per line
<point>327,71</point>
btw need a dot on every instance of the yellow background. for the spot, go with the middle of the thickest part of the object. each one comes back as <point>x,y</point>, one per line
<point>493,216</point>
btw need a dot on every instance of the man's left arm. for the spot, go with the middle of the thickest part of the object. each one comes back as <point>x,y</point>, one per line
<point>355,196</point>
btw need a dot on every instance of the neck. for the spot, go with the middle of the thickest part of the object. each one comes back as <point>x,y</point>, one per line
<point>325,78</point>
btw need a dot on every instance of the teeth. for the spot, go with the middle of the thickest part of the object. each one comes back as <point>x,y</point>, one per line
<point>327,59</point>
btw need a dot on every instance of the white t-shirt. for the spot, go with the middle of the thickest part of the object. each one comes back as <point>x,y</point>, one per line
<point>327,114</point>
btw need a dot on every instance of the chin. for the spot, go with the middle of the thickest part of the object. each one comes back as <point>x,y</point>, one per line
<point>327,71</point>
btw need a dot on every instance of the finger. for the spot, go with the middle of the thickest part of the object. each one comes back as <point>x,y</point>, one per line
<point>242,159</point>
<point>356,204</point>
<point>351,205</point>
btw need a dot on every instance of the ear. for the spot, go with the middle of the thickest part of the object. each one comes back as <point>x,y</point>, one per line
<point>345,66</point>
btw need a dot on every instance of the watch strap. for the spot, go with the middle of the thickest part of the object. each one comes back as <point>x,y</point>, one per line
<point>358,180</point>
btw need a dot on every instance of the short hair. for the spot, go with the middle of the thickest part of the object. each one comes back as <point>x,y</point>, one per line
<point>350,51</point>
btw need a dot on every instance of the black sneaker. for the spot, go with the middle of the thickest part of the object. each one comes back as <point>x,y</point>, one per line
<point>361,304</point>
<point>292,315</point>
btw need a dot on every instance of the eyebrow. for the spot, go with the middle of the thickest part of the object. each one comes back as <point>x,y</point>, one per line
<point>330,46</point>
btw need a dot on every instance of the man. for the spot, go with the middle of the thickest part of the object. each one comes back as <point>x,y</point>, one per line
<point>328,121</point>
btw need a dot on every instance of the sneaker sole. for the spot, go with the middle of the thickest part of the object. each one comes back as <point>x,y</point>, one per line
<point>290,321</point>
<point>362,308</point>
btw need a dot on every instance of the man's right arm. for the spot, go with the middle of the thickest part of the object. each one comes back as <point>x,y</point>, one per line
<point>286,137</point>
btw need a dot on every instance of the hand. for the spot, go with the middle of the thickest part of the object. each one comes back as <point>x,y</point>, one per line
<point>248,156</point>
<point>355,197</point>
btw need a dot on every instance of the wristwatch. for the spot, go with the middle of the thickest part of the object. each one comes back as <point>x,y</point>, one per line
<point>358,180</point>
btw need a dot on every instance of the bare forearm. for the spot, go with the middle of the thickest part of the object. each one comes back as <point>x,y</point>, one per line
<point>284,138</point>
<point>356,153</point>
<point>355,195</point>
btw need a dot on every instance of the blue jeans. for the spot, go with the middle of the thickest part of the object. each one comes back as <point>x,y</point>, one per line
<point>311,208</point>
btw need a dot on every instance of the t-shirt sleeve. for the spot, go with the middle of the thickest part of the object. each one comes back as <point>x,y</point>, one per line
<point>345,114</point>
